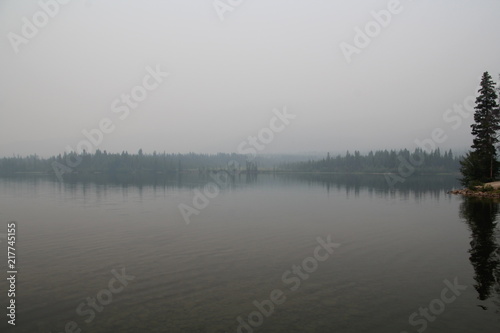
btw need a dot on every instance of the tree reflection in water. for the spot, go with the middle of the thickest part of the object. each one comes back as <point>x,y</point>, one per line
<point>481,217</point>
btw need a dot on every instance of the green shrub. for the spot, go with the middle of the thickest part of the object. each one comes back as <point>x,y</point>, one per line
<point>473,185</point>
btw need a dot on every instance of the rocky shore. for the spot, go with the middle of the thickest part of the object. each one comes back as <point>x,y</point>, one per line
<point>488,190</point>
<point>476,193</point>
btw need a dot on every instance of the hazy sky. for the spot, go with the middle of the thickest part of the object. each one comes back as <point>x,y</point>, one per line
<point>66,70</point>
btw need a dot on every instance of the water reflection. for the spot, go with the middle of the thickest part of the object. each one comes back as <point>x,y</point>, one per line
<point>481,217</point>
<point>208,273</point>
<point>415,186</point>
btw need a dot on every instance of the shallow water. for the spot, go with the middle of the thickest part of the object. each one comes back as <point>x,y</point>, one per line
<point>398,251</point>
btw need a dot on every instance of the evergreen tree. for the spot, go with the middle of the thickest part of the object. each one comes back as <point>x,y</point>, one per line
<point>481,164</point>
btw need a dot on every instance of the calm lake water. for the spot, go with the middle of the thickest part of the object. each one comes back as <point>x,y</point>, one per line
<point>407,259</point>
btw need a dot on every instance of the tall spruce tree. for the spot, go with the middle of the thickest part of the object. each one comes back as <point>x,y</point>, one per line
<point>481,163</point>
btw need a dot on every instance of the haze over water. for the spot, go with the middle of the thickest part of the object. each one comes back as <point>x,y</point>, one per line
<point>397,247</point>
<point>118,117</point>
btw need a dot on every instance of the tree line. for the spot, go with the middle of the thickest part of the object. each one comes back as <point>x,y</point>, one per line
<point>380,161</point>
<point>124,162</point>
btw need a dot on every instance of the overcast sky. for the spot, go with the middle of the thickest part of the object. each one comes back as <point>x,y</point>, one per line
<point>229,67</point>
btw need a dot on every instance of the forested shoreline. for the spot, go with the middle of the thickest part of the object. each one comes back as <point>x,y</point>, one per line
<point>380,161</point>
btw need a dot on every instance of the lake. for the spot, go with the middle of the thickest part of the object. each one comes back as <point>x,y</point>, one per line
<point>256,253</point>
